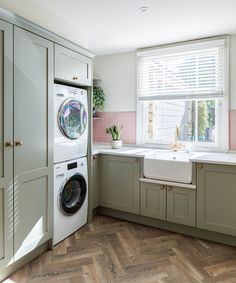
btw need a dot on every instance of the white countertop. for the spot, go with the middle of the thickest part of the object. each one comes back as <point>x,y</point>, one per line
<point>136,151</point>
<point>216,158</point>
<point>132,150</point>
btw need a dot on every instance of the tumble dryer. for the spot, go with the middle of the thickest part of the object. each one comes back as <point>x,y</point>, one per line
<point>70,123</point>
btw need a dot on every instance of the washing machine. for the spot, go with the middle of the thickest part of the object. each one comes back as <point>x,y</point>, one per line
<point>70,123</point>
<point>70,197</point>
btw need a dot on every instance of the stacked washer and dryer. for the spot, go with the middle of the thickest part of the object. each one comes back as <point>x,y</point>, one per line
<point>70,160</point>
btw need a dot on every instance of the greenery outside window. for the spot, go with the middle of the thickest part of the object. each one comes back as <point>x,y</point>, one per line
<point>184,85</point>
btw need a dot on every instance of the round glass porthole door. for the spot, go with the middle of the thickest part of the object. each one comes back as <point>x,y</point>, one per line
<point>73,194</point>
<point>72,118</point>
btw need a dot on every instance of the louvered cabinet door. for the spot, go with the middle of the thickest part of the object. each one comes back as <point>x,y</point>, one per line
<point>6,148</point>
<point>33,133</point>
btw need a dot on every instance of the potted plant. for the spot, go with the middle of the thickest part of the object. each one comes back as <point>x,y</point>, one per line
<point>115,133</point>
<point>98,99</point>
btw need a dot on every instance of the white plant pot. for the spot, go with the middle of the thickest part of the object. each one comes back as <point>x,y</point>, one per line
<point>116,144</point>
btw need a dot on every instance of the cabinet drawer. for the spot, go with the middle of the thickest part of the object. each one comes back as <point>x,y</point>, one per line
<point>72,67</point>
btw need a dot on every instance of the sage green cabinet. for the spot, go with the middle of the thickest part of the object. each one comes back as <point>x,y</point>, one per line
<point>70,66</point>
<point>6,148</point>
<point>181,205</point>
<point>95,182</point>
<point>153,200</point>
<point>216,198</point>
<point>171,203</point>
<point>120,183</point>
<point>33,133</point>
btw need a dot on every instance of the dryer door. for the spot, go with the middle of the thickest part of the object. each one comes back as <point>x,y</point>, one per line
<point>72,118</point>
<point>72,194</point>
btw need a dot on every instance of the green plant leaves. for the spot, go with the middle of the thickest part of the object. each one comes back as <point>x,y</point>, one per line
<point>98,98</point>
<point>115,132</point>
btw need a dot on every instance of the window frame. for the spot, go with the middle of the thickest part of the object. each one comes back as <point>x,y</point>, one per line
<point>223,120</point>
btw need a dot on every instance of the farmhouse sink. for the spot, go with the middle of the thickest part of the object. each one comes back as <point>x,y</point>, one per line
<point>169,166</point>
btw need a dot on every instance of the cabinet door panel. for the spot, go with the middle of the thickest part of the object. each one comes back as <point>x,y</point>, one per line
<point>6,135</point>
<point>216,198</point>
<point>95,184</point>
<point>120,183</point>
<point>181,206</point>
<point>153,201</point>
<point>72,66</point>
<point>33,161</point>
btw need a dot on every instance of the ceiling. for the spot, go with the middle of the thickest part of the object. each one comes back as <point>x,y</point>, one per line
<point>112,26</point>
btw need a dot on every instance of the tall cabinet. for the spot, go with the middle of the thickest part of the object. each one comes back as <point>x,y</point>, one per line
<point>26,181</point>
<point>33,138</point>
<point>6,138</point>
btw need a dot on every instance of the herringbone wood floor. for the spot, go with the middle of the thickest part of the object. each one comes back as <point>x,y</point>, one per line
<point>111,250</point>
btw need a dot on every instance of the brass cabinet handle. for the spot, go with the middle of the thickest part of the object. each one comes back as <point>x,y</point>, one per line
<point>169,188</point>
<point>162,187</point>
<point>8,144</point>
<point>200,166</point>
<point>75,78</point>
<point>18,143</point>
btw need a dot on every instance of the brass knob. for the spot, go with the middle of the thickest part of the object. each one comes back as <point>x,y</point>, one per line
<point>162,187</point>
<point>75,78</point>
<point>95,157</point>
<point>169,188</point>
<point>8,144</point>
<point>18,143</point>
<point>200,166</point>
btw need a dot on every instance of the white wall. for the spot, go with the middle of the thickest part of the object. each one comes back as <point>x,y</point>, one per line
<point>118,74</point>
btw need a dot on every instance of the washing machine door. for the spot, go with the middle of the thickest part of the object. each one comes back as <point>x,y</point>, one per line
<point>72,118</point>
<point>72,194</point>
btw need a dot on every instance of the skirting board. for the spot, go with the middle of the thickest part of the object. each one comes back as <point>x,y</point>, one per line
<point>173,227</point>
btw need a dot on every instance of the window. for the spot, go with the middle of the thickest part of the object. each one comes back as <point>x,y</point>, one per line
<point>184,86</point>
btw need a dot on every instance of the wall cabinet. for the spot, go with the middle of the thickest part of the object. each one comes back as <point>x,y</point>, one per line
<point>120,183</point>
<point>171,203</point>
<point>72,67</point>
<point>6,138</point>
<point>216,206</point>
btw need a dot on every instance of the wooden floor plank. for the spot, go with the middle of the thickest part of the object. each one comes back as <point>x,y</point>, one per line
<point>115,251</point>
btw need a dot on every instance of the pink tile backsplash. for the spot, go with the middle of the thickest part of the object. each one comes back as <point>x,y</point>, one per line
<point>232,129</point>
<point>106,119</point>
<point>128,120</point>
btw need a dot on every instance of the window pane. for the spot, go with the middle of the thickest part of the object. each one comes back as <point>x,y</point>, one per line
<point>206,120</point>
<point>163,116</point>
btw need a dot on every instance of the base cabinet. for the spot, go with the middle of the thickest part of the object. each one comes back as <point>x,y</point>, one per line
<point>174,204</point>
<point>153,200</point>
<point>181,205</point>
<point>95,182</point>
<point>120,183</point>
<point>216,201</point>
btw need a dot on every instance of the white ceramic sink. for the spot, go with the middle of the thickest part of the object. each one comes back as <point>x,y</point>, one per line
<point>169,166</point>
